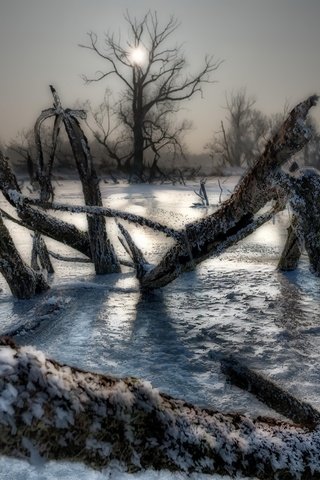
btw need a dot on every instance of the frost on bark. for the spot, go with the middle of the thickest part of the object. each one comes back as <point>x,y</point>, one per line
<point>254,190</point>
<point>54,411</point>
<point>23,281</point>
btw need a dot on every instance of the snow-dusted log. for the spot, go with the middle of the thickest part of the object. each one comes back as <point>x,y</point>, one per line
<point>270,393</point>
<point>305,201</point>
<point>254,190</point>
<point>23,281</point>
<point>291,252</point>
<point>37,220</point>
<point>57,412</point>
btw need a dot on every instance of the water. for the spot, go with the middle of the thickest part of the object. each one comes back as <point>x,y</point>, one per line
<point>175,337</point>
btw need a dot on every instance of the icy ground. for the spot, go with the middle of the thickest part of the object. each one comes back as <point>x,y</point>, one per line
<point>237,304</point>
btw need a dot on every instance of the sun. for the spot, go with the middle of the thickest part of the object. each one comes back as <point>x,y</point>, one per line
<point>138,56</point>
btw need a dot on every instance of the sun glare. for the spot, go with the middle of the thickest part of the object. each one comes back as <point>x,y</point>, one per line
<point>138,56</point>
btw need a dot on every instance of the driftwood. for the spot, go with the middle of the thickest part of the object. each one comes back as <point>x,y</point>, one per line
<point>53,411</point>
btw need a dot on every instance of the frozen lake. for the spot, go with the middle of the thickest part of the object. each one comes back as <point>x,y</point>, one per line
<point>235,304</point>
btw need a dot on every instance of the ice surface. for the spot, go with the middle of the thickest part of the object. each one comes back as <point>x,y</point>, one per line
<point>174,338</point>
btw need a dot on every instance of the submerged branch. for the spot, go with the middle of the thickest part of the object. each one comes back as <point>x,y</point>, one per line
<point>270,393</point>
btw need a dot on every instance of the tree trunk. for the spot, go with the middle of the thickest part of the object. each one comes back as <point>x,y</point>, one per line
<point>40,257</point>
<point>255,189</point>
<point>22,280</point>
<point>305,201</point>
<point>102,252</point>
<point>138,140</point>
<point>57,412</point>
<point>291,252</point>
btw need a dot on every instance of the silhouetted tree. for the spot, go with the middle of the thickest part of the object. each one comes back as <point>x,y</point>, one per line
<point>152,74</point>
<point>242,139</point>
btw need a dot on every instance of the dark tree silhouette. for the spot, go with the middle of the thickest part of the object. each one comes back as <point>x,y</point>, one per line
<point>153,76</point>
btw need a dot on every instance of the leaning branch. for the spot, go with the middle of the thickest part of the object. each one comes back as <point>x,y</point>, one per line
<point>97,211</point>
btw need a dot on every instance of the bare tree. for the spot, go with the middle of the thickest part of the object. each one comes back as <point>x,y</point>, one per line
<point>152,74</point>
<point>241,140</point>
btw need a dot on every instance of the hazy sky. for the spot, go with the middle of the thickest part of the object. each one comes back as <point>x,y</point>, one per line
<point>272,47</point>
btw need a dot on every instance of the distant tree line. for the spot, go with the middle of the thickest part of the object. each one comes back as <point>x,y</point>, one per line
<point>237,144</point>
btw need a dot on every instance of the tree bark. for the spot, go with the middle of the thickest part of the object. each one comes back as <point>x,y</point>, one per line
<point>305,201</point>
<point>102,251</point>
<point>57,412</point>
<point>23,281</point>
<point>40,257</point>
<point>256,188</point>
<point>291,252</point>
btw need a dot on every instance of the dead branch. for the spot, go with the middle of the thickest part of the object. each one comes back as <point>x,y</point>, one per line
<point>304,189</point>
<point>270,393</point>
<point>135,253</point>
<point>18,199</point>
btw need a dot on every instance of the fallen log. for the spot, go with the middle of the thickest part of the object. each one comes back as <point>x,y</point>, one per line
<point>53,411</point>
<point>255,189</point>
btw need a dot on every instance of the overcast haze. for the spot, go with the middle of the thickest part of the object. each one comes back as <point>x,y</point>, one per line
<point>269,46</point>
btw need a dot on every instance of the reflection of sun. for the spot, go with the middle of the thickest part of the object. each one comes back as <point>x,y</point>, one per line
<point>138,56</point>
